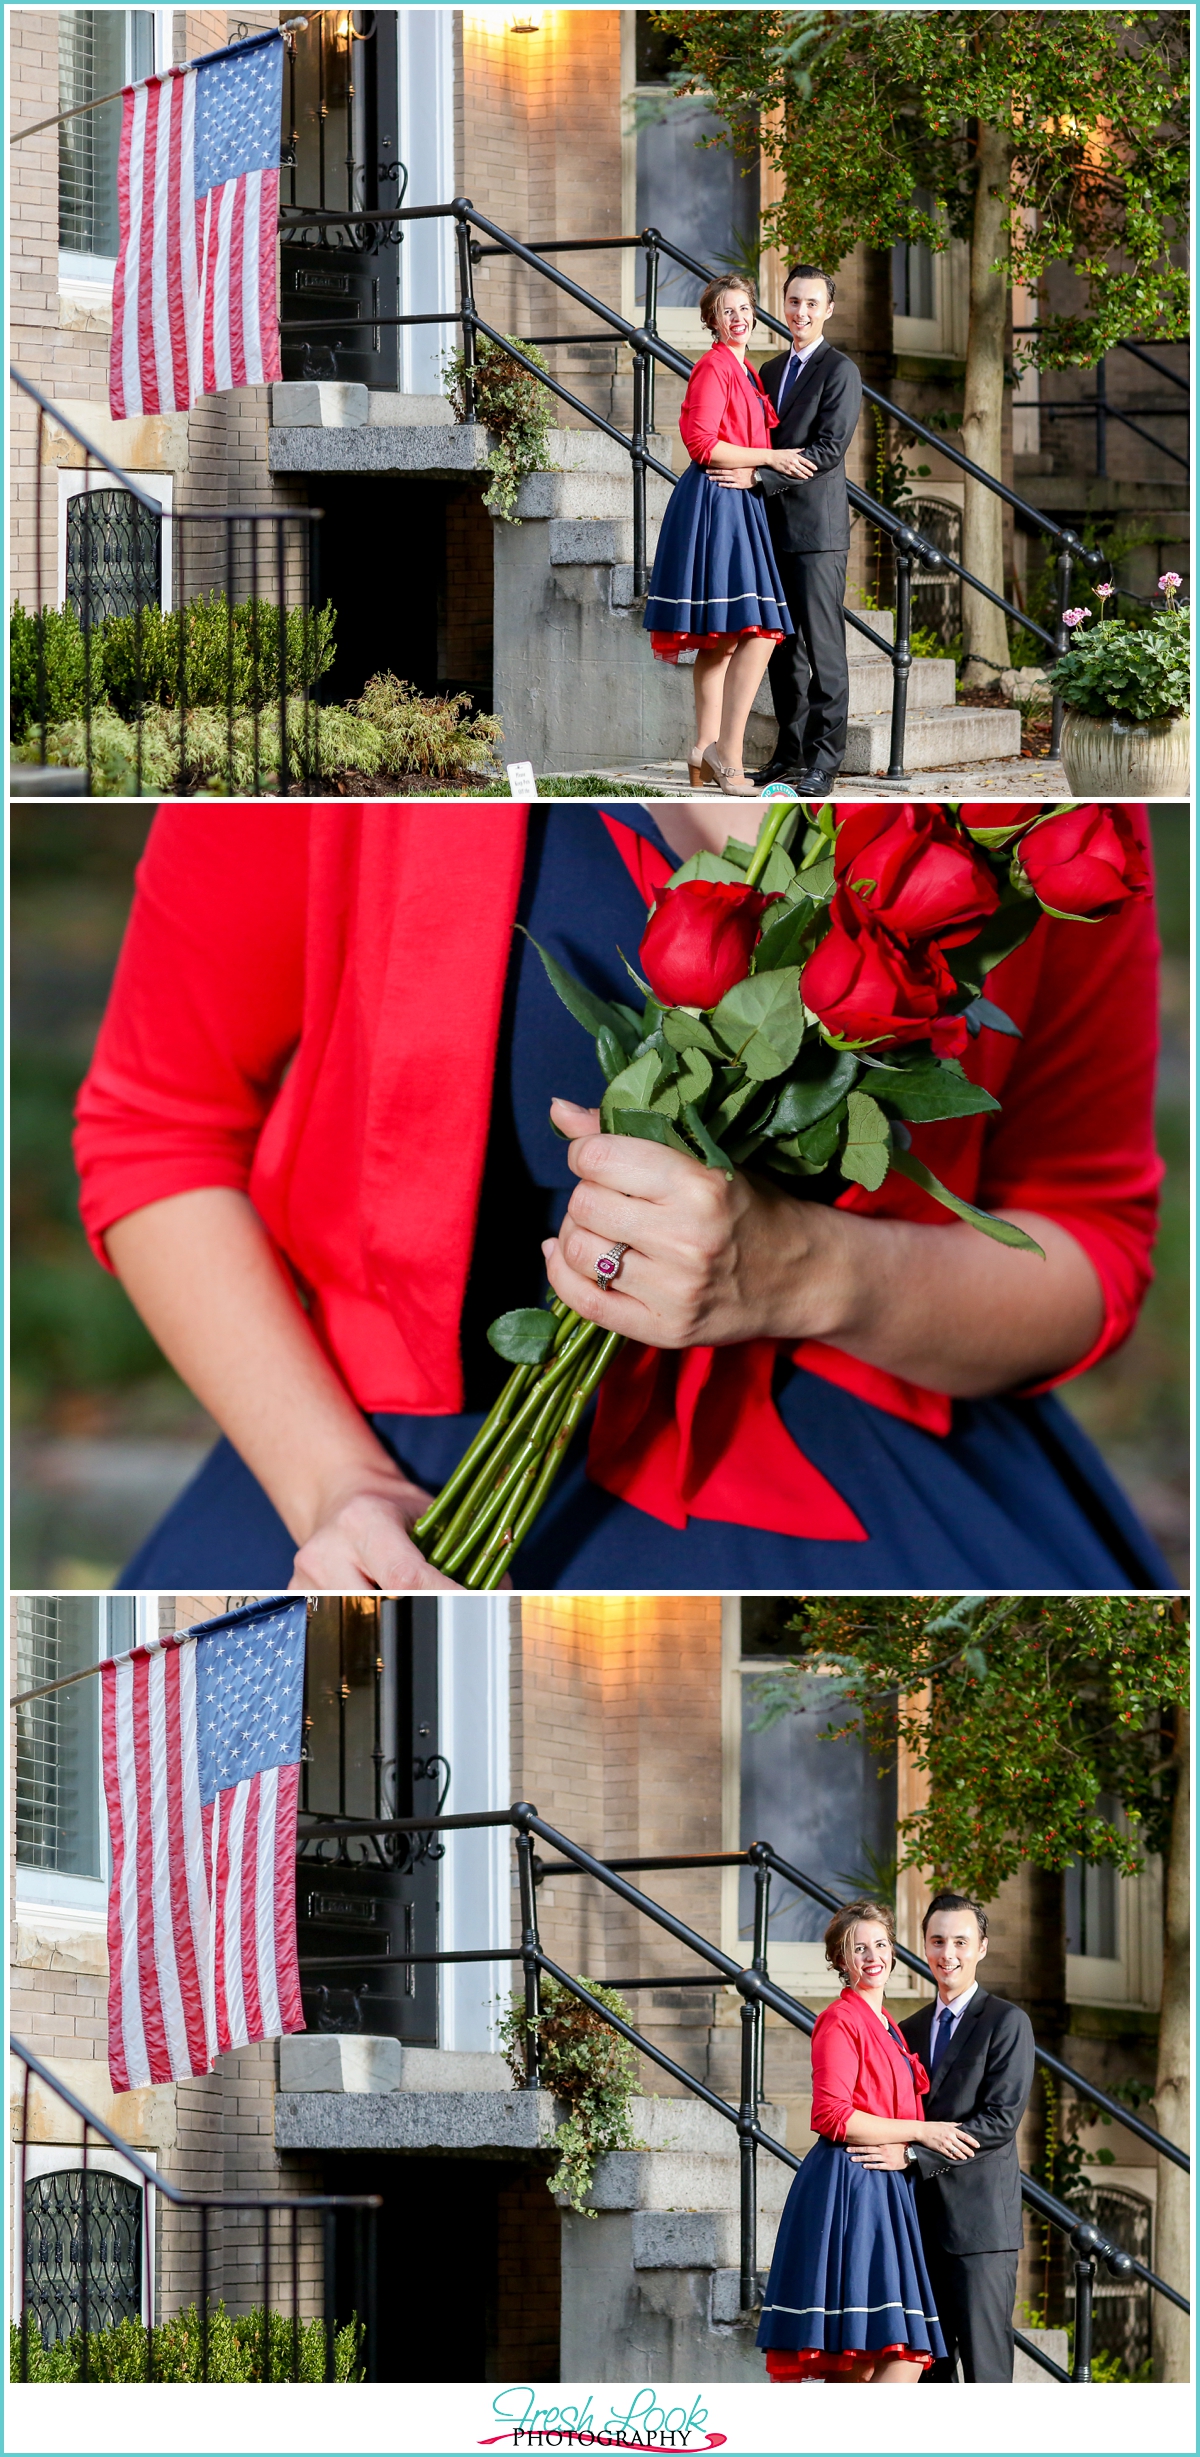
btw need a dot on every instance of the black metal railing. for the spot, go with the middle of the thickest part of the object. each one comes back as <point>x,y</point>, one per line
<point>88,2300</point>
<point>180,650</point>
<point>1098,406</point>
<point>760,1995</point>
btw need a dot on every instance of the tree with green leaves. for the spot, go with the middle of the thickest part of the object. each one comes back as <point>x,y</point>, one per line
<point>1024,1712</point>
<point>1042,135</point>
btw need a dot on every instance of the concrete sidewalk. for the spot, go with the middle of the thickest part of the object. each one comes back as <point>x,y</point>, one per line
<point>998,780</point>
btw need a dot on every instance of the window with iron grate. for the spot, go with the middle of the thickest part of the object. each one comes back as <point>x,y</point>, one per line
<point>53,2215</point>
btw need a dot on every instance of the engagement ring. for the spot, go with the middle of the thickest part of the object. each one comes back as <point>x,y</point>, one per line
<point>608,1265</point>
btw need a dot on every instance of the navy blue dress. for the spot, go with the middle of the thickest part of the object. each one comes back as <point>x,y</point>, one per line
<point>1015,1496</point>
<point>714,570</point>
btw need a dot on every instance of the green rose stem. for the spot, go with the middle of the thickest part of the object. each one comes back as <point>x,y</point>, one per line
<point>497,1480</point>
<point>489,1574</point>
<point>765,842</point>
<point>497,1416</point>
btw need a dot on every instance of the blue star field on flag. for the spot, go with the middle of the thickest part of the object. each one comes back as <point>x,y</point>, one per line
<point>249,1696</point>
<point>239,107</point>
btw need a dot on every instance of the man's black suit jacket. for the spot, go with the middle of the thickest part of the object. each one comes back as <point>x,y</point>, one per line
<point>983,2082</point>
<point>812,515</point>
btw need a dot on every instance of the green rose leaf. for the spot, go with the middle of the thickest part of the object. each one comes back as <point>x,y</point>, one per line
<point>828,1074</point>
<point>732,1106</point>
<point>695,1076</point>
<point>1005,1232</point>
<point>650,1126</point>
<point>714,1157</point>
<point>785,933</point>
<point>711,866</point>
<point>632,1089</point>
<point>762,1021</point>
<point>868,1153</point>
<point>689,1032</point>
<point>523,1337</point>
<point>818,881</point>
<point>982,1011</point>
<point>779,873</point>
<point>595,1014</point>
<point>937,1091</point>
<point>613,1058</point>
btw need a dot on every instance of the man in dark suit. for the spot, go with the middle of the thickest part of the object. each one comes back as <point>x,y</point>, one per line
<point>817,392</point>
<point>978,2052</point>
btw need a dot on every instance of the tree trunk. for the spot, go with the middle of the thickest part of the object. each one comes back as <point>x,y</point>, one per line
<point>1171,2094</point>
<point>984,634</point>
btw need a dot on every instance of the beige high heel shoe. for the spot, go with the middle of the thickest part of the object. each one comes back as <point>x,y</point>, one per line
<point>713,771</point>
<point>695,767</point>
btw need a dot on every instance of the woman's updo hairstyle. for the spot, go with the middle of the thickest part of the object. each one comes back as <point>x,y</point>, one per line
<point>845,1921</point>
<point>715,290</point>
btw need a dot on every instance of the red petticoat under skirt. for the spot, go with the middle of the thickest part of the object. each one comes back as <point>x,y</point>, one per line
<point>669,644</point>
<point>812,2362</point>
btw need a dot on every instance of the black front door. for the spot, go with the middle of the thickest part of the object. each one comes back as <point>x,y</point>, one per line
<point>370,1751</point>
<point>339,153</point>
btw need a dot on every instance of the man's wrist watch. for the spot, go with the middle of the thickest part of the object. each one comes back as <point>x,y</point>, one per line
<point>910,2154</point>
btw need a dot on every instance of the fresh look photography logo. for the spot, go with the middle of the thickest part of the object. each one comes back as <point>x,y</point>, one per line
<point>643,2423</point>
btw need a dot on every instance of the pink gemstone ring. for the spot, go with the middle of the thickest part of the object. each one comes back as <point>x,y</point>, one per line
<point>608,1265</point>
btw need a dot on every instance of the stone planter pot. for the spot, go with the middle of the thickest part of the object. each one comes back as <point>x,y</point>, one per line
<point>1111,761</point>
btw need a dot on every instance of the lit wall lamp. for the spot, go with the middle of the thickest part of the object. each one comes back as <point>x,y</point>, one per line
<point>526,21</point>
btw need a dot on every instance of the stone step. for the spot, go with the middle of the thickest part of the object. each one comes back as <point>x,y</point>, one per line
<point>686,2124</point>
<point>588,495</point>
<point>672,2180</point>
<point>947,737</point>
<point>698,2239</point>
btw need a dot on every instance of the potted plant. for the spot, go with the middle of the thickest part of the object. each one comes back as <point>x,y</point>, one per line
<point>1125,687</point>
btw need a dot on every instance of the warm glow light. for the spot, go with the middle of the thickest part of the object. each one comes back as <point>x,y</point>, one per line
<point>343,27</point>
<point>526,21</point>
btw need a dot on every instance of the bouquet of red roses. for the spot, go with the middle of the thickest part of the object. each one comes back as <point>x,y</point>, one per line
<point>802,1002</point>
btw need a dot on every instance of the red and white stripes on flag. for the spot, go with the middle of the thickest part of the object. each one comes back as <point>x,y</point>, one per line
<point>202,1911</point>
<point>194,298</point>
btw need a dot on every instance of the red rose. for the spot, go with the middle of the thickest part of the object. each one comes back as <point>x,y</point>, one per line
<point>915,872</point>
<point>1087,863</point>
<point>997,820</point>
<point>699,941</point>
<point>866,986</point>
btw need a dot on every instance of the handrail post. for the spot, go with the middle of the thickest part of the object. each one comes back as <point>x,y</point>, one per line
<point>650,319</point>
<point>748,2161</point>
<point>762,1916</point>
<point>638,465</point>
<point>902,553</point>
<point>1065,565</point>
<point>466,289</point>
<point>530,1957</point>
<point>1101,421</point>
<point>1085,2281</point>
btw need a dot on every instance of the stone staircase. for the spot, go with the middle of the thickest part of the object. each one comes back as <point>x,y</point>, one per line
<point>937,732</point>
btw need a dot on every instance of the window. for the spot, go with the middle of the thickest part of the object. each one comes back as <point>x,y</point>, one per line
<point>99,51</point>
<point>1091,1901</point>
<point>704,198</point>
<point>61,1826</point>
<point>912,271</point>
<point>53,2245</point>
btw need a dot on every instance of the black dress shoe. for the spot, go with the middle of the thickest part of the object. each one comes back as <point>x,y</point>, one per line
<point>815,784</point>
<point>773,772</point>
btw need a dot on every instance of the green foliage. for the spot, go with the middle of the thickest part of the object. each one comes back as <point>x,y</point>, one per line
<point>428,737</point>
<point>517,411</point>
<point>1116,669</point>
<point>1020,1710</point>
<point>586,2065</point>
<point>859,112</point>
<point>235,2349</point>
<point>141,663</point>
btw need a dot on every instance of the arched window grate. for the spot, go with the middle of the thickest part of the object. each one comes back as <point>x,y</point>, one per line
<point>54,2251</point>
<point>114,553</point>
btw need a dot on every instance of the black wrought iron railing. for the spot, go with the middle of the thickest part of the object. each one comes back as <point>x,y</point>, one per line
<point>760,1995</point>
<point>88,2297</point>
<point>177,650</point>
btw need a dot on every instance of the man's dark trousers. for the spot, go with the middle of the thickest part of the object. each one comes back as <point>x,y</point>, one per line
<point>974,2293</point>
<point>809,522</point>
<point>808,674</point>
<point>970,2210</point>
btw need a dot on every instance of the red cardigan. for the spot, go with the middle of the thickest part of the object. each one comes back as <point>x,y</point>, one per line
<point>857,2063</point>
<point>287,1018</point>
<point>724,404</point>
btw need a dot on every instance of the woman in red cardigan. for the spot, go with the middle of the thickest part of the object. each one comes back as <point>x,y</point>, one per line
<point>715,586</point>
<point>316,1145</point>
<point>848,2297</point>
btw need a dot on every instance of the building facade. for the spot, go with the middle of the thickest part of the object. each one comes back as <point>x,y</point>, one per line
<point>632,1724</point>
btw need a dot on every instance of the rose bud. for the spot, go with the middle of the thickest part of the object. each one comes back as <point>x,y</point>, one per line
<point>866,986</point>
<point>699,941</point>
<point>915,872</point>
<point>1086,863</point>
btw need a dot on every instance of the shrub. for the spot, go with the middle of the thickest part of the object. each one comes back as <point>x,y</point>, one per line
<point>64,667</point>
<point>235,2349</point>
<point>517,411</point>
<point>424,737</point>
<point>137,664</point>
<point>587,2065</point>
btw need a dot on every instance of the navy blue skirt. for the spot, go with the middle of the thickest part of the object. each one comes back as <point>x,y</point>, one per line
<point>1015,1496</point>
<point>714,569</point>
<point>849,2273</point>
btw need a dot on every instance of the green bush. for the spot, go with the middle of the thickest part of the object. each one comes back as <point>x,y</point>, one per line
<point>235,2349</point>
<point>588,2066</point>
<point>517,411</point>
<point>1120,670</point>
<point>137,664</point>
<point>424,737</point>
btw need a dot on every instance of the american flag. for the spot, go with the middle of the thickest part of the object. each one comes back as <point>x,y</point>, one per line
<point>194,307</point>
<point>201,1741</point>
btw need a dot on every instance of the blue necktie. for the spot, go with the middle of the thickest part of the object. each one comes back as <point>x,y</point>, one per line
<point>790,373</point>
<point>942,2028</point>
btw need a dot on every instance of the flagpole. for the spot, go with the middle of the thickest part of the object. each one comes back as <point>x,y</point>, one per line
<point>40,125</point>
<point>149,1646</point>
